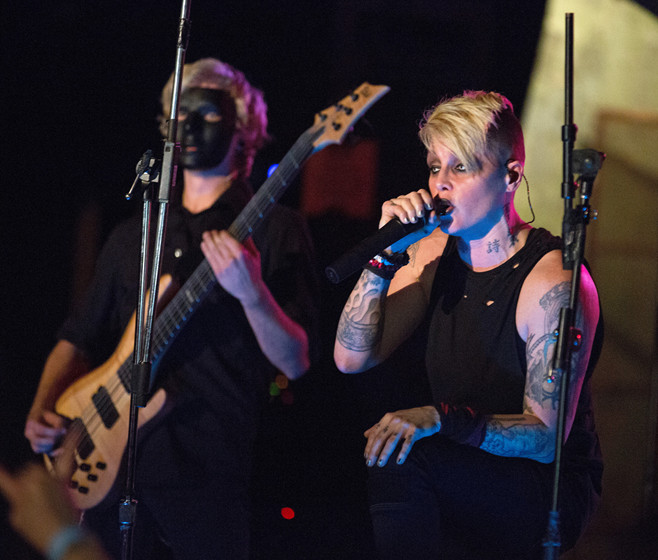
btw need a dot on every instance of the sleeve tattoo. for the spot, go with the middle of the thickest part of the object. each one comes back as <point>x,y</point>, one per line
<point>516,440</point>
<point>540,349</point>
<point>359,328</point>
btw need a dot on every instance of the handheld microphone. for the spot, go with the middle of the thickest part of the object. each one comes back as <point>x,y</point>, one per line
<point>393,231</point>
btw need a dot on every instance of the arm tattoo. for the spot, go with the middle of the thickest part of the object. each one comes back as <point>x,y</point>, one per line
<point>361,322</point>
<point>516,440</point>
<point>556,298</point>
<point>539,357</point>
<point>539,351</point>
<point>412,250</point>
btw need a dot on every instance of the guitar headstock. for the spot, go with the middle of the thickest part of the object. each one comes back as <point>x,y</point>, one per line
<point>336,121</point>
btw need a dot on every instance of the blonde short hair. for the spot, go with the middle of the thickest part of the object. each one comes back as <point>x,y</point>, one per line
<point>475,125</point>
<point>250,106</point>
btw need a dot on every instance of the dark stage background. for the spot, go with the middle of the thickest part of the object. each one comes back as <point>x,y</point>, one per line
<point>82,82</point>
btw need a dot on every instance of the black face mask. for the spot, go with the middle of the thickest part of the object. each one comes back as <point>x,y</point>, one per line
<point>206,125</point>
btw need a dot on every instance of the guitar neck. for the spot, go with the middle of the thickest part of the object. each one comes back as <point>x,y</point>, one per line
<point>274,187</point>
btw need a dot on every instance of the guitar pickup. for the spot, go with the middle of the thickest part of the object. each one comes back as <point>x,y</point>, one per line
<point>85,446</point>
<point>105,407</point>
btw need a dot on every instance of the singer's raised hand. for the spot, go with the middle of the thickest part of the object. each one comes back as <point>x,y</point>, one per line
<point>409,209</point>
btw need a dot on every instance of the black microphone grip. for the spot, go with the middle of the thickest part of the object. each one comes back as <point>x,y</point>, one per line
<point>354,259</point>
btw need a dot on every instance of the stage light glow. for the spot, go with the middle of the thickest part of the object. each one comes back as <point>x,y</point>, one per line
<point>274,390</point>
<point>281,381</point>
<point>287,513</point>
<point>272,168</point>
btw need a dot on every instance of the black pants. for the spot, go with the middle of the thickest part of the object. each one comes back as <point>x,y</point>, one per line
<point>450,501</point>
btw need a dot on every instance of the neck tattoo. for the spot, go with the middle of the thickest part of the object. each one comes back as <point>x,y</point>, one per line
<point>493,246</point>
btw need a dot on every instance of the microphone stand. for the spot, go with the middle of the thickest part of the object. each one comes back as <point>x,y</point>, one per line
<point>586,163</point>
<point>148,172</point>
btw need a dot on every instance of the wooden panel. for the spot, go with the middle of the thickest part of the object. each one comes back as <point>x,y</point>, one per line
<point>623,249</point>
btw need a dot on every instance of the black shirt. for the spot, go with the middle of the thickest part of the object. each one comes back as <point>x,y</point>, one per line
<point>475,356</point>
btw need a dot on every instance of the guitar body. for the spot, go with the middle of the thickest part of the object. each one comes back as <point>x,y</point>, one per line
<point>98,404</point>
<point>98,434</point>
<point>96,474</point>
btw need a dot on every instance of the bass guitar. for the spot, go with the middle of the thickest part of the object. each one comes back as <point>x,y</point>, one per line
<point>98,403</point>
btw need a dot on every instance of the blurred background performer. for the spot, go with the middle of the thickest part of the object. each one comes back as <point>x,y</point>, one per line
<point>193,466</point>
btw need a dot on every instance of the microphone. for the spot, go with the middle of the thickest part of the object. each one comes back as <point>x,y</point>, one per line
<point>353,260</point>
<point>393,231</point>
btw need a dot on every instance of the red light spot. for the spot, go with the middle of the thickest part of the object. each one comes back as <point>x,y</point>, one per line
<point>287,513</point>
<point>287,397</point>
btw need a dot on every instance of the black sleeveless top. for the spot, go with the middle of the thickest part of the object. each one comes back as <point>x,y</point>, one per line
<point>475,356</point>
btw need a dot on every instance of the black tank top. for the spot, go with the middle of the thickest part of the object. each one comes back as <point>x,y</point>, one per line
<point>475,356</point>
